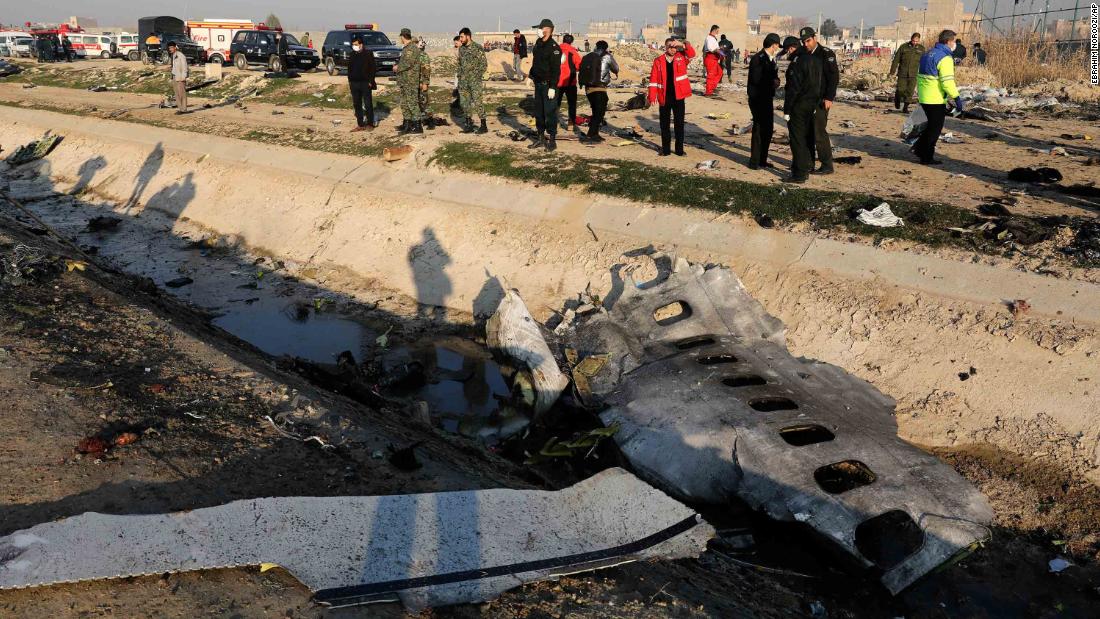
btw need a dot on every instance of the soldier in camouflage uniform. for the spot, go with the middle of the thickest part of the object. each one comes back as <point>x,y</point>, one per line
<point>906,64</point>
<point>425,83</point>
<point>408,82</point>
<point>471,72</point>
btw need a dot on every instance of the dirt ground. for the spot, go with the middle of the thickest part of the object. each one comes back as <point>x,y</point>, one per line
<point>97,353</point>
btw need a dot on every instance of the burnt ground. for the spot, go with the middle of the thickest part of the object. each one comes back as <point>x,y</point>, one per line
<point>93,354</point>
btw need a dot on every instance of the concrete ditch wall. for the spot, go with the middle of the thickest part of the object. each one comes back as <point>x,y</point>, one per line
<point>907,323</point>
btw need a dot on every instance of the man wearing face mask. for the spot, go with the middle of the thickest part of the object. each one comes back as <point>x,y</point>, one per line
<point>545,72</point>
<point>361,76</point>
<point>935,86</point>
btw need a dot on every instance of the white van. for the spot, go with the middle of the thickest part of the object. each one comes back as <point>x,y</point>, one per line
<point>126,46</point>
<point>90,45</point>
<point>19,44</point>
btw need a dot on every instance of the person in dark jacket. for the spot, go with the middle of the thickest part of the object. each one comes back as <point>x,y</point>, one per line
<point>519,52</point>
<point>545,73</point>
<point>979,54</point>
<point>763,82</point>
<point>822,146</point>
<point>281,50</point>
<point>67,48</point>
<point>361,83</point>
<point>959,54</point>
<point>803,96</point>
<point>726,46</point>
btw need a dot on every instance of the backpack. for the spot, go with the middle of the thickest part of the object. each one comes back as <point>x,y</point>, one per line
<point>591,72</point>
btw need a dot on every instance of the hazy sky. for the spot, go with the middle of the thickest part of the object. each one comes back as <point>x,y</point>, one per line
<point>430,15</point>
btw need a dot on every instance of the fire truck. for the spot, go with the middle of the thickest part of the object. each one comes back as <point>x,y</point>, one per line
<point>46,38</point>
<point>216,35</point>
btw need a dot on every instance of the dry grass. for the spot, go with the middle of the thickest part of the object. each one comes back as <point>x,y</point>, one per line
<point>1021,64</point>
<point>1018,63</point>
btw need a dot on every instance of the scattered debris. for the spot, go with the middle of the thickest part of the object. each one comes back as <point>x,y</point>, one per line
<point>100,88</point>
<point>1058,564</point>
<point>951,138</point>
<point>422,549</point>
<point>404,459</point>
<point>1082,191</point>
<point>764,220</point>
<point>994,210</point>
<point>710,164</point>
<point>1086,244</point>
<point>92,446</point>
<point>103,223</point>
<point>1056,151</point>
<point>513,332</point>
<point>713,406</point>
<point>849,160</point>
<point>179,282</point>
<point>1035,175</point>
<point>847,124</point>
<point>1019,307</point>
<point>397,153</point>
<point>33,150</point>
<point>1076,136</point>
<point>741,129</point>
<point>26,265</point>
<point>880,217</point>
<point>719,115</point>
<point>637,102</point>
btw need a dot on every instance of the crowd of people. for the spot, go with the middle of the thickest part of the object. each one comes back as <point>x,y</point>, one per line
<point>559,70</point>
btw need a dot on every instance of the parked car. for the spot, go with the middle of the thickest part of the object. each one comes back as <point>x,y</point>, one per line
<point>125,46</point>
<point>17,44</point>
<point>337,48</point>
<point>257,47</point>
<point>91,45</point>
<point>154,34</point>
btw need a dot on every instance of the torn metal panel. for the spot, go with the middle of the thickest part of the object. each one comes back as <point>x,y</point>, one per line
<point>712,405</point>
<point>512,331</point>
<point>425,549</point>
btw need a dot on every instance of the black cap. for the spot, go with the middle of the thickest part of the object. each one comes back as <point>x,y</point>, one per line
<point>806,33</point>
<point>788,43</point>
<point>546,23</point>
<point>771,39</point>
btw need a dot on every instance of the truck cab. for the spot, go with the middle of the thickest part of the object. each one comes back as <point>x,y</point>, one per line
<point>337,48</point>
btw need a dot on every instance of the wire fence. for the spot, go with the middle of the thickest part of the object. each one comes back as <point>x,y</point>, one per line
<point>989,20</point>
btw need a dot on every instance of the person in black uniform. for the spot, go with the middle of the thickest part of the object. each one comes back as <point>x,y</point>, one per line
<point>822,146</point>
<point>803,95</point>
<point>763,82</point>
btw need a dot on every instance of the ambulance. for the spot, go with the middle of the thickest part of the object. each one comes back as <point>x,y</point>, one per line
<point>215,35</point>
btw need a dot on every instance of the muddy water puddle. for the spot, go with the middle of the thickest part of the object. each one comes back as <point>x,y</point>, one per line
<point>464,389</point>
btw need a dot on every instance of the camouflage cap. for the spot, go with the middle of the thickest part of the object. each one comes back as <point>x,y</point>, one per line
<point>405,32</point>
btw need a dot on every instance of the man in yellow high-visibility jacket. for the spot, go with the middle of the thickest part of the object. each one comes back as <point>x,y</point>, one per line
<point>935,86</point>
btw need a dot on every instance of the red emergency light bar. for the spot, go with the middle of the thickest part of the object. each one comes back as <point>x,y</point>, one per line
<point>360,26</point>
<point>263,26</point>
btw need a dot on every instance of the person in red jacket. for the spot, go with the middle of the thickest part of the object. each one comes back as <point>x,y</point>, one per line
<point>669,88</point>
<point>567,83</point>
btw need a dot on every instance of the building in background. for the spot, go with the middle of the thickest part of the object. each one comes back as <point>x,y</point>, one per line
<point>692,20</point>
<point>83,22</point>
<point>779,24</point>
<point>611,30</point>
<point>936,16</point>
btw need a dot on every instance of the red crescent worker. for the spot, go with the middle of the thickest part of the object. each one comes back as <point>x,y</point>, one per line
<point>712,60</point>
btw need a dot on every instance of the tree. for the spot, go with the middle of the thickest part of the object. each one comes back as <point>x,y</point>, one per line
<point>829,29</point>
<point>272,21</point>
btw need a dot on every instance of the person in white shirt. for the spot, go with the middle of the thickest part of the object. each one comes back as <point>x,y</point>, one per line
<point>712,61</point>
<point>179,76</point>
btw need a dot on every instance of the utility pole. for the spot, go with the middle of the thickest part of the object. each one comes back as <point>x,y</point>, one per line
<point>819,22</point>
<point>499,25</point>
<point>1073,24</point>
<point>1043,32</point>
<point>861,32</point>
